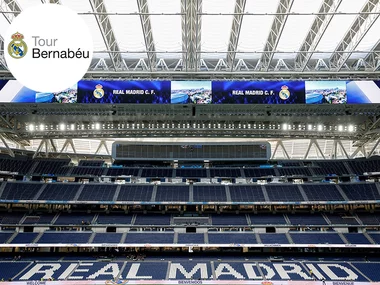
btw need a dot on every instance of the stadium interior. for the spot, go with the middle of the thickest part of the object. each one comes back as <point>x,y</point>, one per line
<point>214,183</point>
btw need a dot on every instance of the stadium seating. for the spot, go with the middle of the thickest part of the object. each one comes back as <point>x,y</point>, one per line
<point>114,219</point>
<point>107,238</point>
<point>172,193</point>
<point>209,194</point>
<point>231,238</point>
<point>97,193</point>
<point>59,192</point>
<point>307,219</point>
<point>152,220</point>
<point>64,237</point>
<point>316,238</point>
<point>358,192</point>
<point>231,220</point>
<point>284,193</point>
<point>271,238</point>
<point>136,193</point>
<point>245,193</point>
<point>322,192</point>
<point>268,219</point>
<point>20,191</point>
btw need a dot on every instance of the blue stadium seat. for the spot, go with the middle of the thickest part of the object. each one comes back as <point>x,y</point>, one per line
<point>322,192</point>
<point>231,238</point>
<point>168,193</point>
<point>245,193</point>
<point>192,238</point>
<point>97,193</point>
<point>269,238</point>
<point>107,238</point>
<point>209,194</point>
<point>135,193</point>
<point>316,238</point>
<point>356,238</point>
<point>284,193</point>
<point>150,238</point>
<point>24,238</point>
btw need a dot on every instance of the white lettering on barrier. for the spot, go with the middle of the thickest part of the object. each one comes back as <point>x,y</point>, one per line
<point>230,271</point>
<point>350,274</point>
<point>250,271</point>
<point>296,269</point>
<point>37,269</point>
<point>80,270</point>
<point>132,274</point>
<point>104,271</point>
<point>67,272</point>
<point>269,271</point>
<point>316,272</point>
<point>188,275</point>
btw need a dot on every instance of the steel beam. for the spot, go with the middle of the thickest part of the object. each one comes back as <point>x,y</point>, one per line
<point>278,25</point>
<point>316,32</point>
<point>148,33</point>
<point>191,33</point>
<point>10,6</point>
<point>355,34</point>
<point>107,33</point>
<point>51,2</point>
<point>373,57</point>
<point>235,32</point>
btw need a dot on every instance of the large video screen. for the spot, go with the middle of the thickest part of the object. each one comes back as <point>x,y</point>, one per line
<point>136,92</point>
<point>199,92</point>
<point>258,92</point>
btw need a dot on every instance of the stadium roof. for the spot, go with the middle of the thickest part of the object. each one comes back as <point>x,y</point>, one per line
<point>210,38</point>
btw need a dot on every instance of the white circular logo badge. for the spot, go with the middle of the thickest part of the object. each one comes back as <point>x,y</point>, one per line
<point>48,48</point>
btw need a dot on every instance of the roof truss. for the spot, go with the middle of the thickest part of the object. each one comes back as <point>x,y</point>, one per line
<point>355,34</point>
<point>107,32</point>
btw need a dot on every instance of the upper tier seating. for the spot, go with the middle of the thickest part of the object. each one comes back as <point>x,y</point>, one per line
<point>172,193</point>
<point>360,192</point>
<point>20,191</point>
<point>59,192</point>
<point>209,193</point>
<point>102,192</point>
<point>246,193</point>
<point>284,193</point>
<point>322,192</point>
<point>136,193</point>
<point>316,238</point>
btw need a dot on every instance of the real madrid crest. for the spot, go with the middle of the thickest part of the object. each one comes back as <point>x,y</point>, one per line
<point>99,92</point>
<point>17,48</point>
<point>284,93</point>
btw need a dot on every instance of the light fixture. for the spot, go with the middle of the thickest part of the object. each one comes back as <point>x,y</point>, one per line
<point>31,127</point>
<point>350,128</point>
<point>320,128</point>
<point>340,128</point>
<point>62,127</point>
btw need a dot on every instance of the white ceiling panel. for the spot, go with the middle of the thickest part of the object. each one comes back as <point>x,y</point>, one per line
<point>127,28</point>
<point>255,29</point>
<point>368,41</point>
<point>294,34</point>
<point>84,6</point>
<point>167,32</point>
<point>216,29</point>
<point>339,25</point>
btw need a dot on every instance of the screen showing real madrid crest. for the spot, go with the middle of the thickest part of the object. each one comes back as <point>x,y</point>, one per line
<point>258,92</point>
<point>199,92</point>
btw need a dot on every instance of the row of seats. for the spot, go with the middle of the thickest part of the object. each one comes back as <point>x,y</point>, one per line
<point>200,193</point>
<point>25,165</point>
<point>51,237</point>
<point>301,220</point>
<point>179,269</point>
